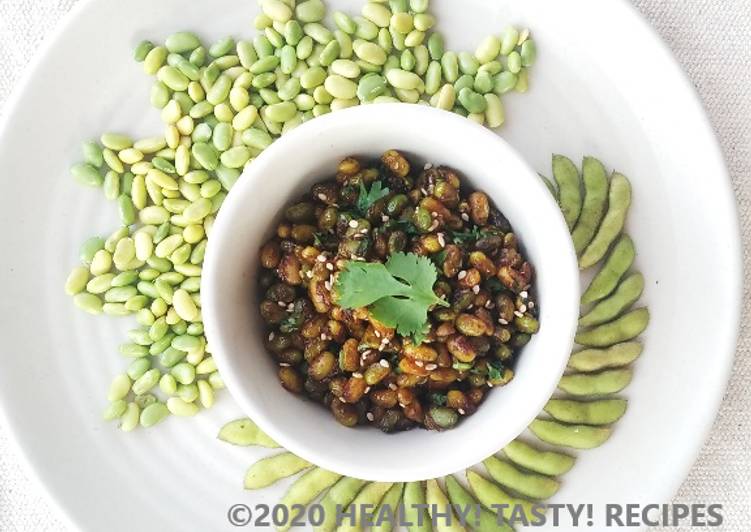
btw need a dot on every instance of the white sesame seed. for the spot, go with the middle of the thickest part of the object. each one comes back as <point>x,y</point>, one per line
<point>523,309</point>
<point>282,304</point>
<point>462,275</point>
<point>342,400</point>
<point>370,416</point>
<point>518,314</point>
<point>327,285</point>
<point>321,258</point>
<point>329,267</point>
<point>367,389</point>
<point>470,307</point>
<point>461,411</point>
<point>476,289</point>
<point>427,166</point>
<point>309,274</point>
<point>364,231</point>
<point>502,321</point>
<point>271,336</point>
<point>431,367</point>
<point>488,304</point>
<point>284,364</point>
<point>392,386</point>
<point>386,341</point>
<point>383,362</point>
<point>490,384</point>
<point>524,294</point>
<point>322,197</point>
<point>377,333</point>
<point>384,218</point>
<point>357,375</point>
<point>353,223</point>
<point>441,240</point>
<point>434,225</point>
<point>291,307</point>
<point>465,217</point>
<point>419,363</point>
<point>434,214</point>
<point>323,336</point>
<point>424,192</point>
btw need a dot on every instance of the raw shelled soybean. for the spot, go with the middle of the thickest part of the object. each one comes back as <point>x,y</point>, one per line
<point>222,104</point>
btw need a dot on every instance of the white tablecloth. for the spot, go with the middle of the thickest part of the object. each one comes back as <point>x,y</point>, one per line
<point>712,40</point>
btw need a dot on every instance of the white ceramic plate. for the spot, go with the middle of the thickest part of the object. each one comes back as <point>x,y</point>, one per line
<point>604,85</point>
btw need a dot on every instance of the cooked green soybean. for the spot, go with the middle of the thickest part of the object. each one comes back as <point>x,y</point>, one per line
<point>573,436</point>
<point>627,327</point>
<point>245,432</point>
<point>626,294</point>
<point>269,470</point>
<point>619,201</point>
<point>599,412</point>
<point>340,495</point>
<point>550,463</point>
<point>485,521</point>
<point>306,488</point>
<point>531,485</point>
<point>603,383</point>
<point>618,262</point>
<point>569,188</point>
<point>595,202</point>
<point>616,356</point>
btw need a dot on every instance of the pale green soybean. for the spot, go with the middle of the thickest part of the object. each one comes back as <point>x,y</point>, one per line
<point>444,519</point>
<point>243,432</point>
<point>567,177</point>
<point>153,414</point>
<point>509,41</point>
<point>419,6</point>
<point>407,60</point>
<point>329,53</point>
<point>146,382</point>
<point>318,32</point>
<point>307,488</point>
<point>340,495</point>
<point>402,23</point>
<point>368,497</point>
<point>101,263</point>
<point>181,408</point>
<point>531,485</point>
<point>141,50</point>
<point>422,59</point>
<point>236,157</point>
<point>471,101</point>
<point>603,383</point>
<point>388,507</point>
<point>595,202</point>
<point>401,79</point>
<point>485,521</point>
<point>340,87</point>
<point>616,356</point>
<point>89,249</point>
<point>168,385</point>
<point>446,97</point>
<point>488,50</point>
<point>625,295</point>
<point>619,201</point>
<point>130,417</point>
<point>600,412</point>
<point>414,510</point>
<point>550,463</point>
<point>365,29</point>
<point>367,51</point>
<point>345,23</point>
<point>483,83</point>
<point>618,262</point>
<point>494,112</point>
<point>626,327</point>
<point>276,10</point>
<point>119,387</point>
<point>433,78</point>
<point>100,284</point>
<point>378,14</point>
<point>222,47</point>
<point>346,68</point>
<point>464,81</point>
<point>345,44</point>
<point>514,62</point>
<point>92,154</point>
<point>528,53</point>
<point>88,303</point>
<point>491,496</point>
<point>573,436</point>
<point>522,81</point>
<point>86,174</point>
<point>310,11</point>
<point>424,21</point>
<point>468,64</point>
<point>370,87</point>
<point>115,410</point>
<point>205,155</point>
<point>504,82</point>
<point>182,42</point>
<point>77,280</point>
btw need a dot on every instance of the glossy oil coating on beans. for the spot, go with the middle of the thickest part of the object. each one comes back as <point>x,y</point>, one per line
<point>360,369</point>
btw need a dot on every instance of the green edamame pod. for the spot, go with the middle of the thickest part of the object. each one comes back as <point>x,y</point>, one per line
<point>550,463</point>
<point>595,202</point>
<point>625,295</point>
<point>603,383</point>
<point>269,470</point>
<point>569,188</point>
<point>390,500</point>
<point>369,497</point>
<point>627,327</point>
<point>574,436</point>
<point>485,520</point>
<point>616,356</point>
<point>619,200</point>
<point>413,513</point>
<point>341,494</point>
<point>491,496</point>
<point>551,187</point>
<point>602,412</point>
<point>528,484</point>
<point>444,519</point>
<point>306,488</point>
<point>617,263</point>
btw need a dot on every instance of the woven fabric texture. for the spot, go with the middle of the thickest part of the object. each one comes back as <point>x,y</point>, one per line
<point>712,40</point>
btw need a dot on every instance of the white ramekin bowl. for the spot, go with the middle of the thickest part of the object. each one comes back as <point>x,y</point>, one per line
<point>286,170</point>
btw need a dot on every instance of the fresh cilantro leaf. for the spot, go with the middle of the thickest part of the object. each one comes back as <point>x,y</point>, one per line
<point>461,237</point>
<point>495,369</point>
<point>398,293</point>
<point>367,198</point>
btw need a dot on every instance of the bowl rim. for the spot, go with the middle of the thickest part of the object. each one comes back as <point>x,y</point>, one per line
<point>211,276</point>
